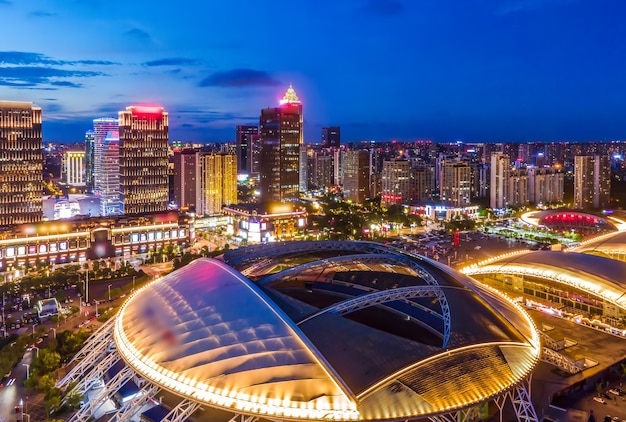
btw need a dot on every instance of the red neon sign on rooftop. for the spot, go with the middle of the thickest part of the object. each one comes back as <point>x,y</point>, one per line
<point>147,110</point>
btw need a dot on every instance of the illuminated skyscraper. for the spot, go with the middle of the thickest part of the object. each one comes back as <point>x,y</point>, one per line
<point>185,178</point>
<point>281,138</point>
<point>245,137</point>
<point>499,186</point>
<point>396,182</point>
<point>89,161</point>
<point>21,163</point>
<point>592,181</point>
<point>106,165</point>
<point>73,168</point>
<point>356,176</point>
<point>218,182</point>
<point>143,159</point>
<point>456,183</point>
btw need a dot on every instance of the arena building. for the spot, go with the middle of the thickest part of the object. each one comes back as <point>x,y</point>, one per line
<point>573,284</point>
<point>316,331</point>
<point>568,220</point>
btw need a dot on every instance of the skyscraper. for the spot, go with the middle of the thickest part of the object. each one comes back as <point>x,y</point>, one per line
<point>456,183</point>
<point>143,159</point>
<point>499,185</point>
<point>89,161</point>
<point>106,165</point>
<point>185,178</point>
<point>218,182</point>
<point>331,137</point>
<point>21,163</point>
<point>592,181</point>
<point>356,176</point>
<point>245,137</point>
<point>281,138</point>
<point>396,182</point>
<point>73,168</point>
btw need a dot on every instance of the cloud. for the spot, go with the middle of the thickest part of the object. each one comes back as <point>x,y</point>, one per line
<point>237,78</point>
<point>29,58</point>
<point>42,14</point>
<point>138,34</point>
<point>33,76</point>
<point>384,7</point>
<point>174,61</point>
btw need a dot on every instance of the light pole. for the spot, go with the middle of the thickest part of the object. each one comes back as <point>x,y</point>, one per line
<point>110,292</point>
<point>96,308</point>
<point>37,353</point>
<point>27,365</point>
<point>133,287</point>
<point>55,332</point>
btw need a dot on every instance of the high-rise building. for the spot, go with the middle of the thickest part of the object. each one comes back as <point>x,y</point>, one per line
<point>217,175</point>
<point>185,179</point>
<point>73,168</point>
<point>545,185</point>
<point>423,183</point>
<point>281,138</point>
<point>143,159</point>
<point>456,183</point>
<point>356,176</point>
<point>396,182</point>
<point>89,161</point>
<point>518,188</point>
<point>244,147</point>
<point>499,184</point>
<point>324,171</point>
<point>331,137</point>
<point>21,163</point>
<point>255,156</point>
<point>592,181</point>
<point>106,165</point>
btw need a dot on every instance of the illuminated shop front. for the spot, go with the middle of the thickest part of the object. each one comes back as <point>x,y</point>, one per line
<point>57,242</point>
<point>256,223</point>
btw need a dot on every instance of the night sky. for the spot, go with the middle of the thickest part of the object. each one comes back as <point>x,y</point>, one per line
<point>471,70</point>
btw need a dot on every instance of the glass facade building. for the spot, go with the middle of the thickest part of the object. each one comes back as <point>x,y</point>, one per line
<point>21,163</point>
<point>143,160</point>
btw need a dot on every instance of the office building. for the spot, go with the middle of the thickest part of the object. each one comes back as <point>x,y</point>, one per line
<point>90,152</point>
<point>422,184</point>
<point>592,181</point>
<point>106,165</point>
<point>217,175</point>
<point>456,183</point>
<point>518,188</point>
<point>73,168</point>
<point>324,171</point>
<point>244,147</point>
<point>185,179</point>
<point>281,138</point>
<point>499,184</point>
<point>356,176</point>
<point>396,182</point>
<point>143,159</point>
<point>21,163</point>
<point>331,137</point>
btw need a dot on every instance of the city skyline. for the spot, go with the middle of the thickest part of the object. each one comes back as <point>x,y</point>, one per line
<point>519,70</point>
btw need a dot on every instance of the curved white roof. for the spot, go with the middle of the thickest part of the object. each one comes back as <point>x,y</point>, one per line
<point>208,333</point>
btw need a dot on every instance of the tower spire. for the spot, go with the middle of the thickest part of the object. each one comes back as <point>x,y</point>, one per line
<point>290,96</point>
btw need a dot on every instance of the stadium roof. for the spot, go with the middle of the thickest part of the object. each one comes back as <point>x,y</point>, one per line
<point>327,331</point>
<point>597,275</point>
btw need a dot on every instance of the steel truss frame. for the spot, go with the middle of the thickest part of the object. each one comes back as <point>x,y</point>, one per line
<point>126,411</point>
<point>92,358</point>
<point>182,410</point>
<point>561,361</point>
<point>399,259</point>
<point>401,293</point>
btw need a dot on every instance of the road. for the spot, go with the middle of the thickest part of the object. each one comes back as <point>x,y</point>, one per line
<point>11,395</point>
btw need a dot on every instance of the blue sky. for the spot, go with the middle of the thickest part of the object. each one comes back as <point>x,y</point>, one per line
<point>473,70</point>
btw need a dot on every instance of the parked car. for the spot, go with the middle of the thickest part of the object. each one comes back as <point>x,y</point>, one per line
<point>615,391</point>
<point>599,399</point>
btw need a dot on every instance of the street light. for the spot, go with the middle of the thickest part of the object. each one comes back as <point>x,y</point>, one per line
<point>27,365</point>
<point>37,348</point>
<point>110,292</point>
<point>55,332</point>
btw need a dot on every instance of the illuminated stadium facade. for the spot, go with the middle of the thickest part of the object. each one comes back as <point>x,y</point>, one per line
<point>575,283</point>
<point>316,330</point>
<point>578,221</point>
